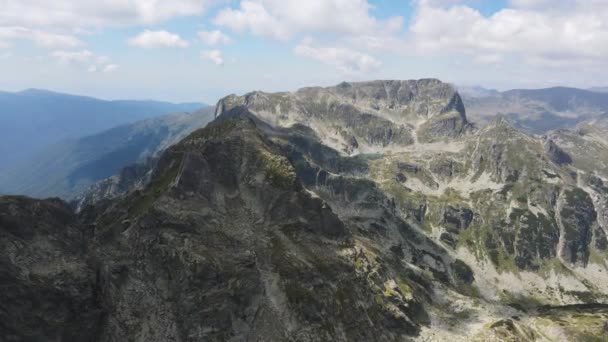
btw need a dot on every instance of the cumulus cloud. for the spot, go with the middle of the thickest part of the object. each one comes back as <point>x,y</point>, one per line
<point>282,19</point>
<point>215,56</point>
<point>38,37</point>
<point>94,13</point>
<point>158,39</point>
<point>110,68</point>
<point>214,37</point>
<point>72,57</point>
<point>84,59</point>
<point>557,32</point>
<point>52,23</point>
<point>346,60</point>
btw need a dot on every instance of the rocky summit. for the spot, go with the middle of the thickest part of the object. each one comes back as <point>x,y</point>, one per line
<point>364,117</point>
<point>362,212</point>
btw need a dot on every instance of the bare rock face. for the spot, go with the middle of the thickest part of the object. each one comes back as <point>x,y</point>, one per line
<point>457,218</point>
<point>556,154</point>
<point>49,290</point>
<point>579,218</point>
<point>377,114</point>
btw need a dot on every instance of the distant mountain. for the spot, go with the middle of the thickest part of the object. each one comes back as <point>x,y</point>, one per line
<point>539,110</point>
<point>475,91</point>
<point>599,89</point>
<point>67,168</point>
<point>33,119</point>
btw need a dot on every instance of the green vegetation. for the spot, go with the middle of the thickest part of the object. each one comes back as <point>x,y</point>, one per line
<point>462,271</point>
<point>215,130</point>
<point>520,302</point>
<point>581,326</point>
<point>141,202</point>
<point>278,170</point>
<point>553,265</point>
<point>598,257</point>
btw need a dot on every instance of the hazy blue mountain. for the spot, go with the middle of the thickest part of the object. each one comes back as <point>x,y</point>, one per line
<point>599,89</point>
<point>539,110</point>
<point>562,98</point>
<point>66,168</point>
<point>33,119</point>
<point>475,91</point>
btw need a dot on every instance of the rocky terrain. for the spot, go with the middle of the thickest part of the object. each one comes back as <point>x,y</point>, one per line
<point>365,117</point>
<point>364,211</point>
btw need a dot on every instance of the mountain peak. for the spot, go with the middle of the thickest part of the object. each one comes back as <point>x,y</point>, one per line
<point>362,117</point>
<point>39,92</point>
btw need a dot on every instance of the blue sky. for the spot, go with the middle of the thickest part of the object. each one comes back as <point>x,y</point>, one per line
<point>200,50</point>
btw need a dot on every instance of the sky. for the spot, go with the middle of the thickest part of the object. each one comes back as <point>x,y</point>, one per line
<point>201,50</point>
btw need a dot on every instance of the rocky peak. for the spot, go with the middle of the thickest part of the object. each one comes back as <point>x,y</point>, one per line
<point>425,97</point>
<point>376,115</point>
<point>501,122</point>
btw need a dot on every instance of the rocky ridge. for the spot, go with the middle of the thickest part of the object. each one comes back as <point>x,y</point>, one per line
<point>367,116</point>
<point>263,227</point>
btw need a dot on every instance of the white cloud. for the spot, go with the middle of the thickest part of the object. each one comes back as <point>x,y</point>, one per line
<point>546,5</point>
<point>254,17</point>
<point>215,56</point>
<point>72,14</point>
<point>73,57</point>
<point>38,37</point>
<point>214,37</point>
<point>84,59</point>
<point>53,23</point>
<point>344,59</point>
<point>157,39</point>
<point>557,31</point>
<point>488,59</point>
<point>282,19</point>
<point>110,68</point>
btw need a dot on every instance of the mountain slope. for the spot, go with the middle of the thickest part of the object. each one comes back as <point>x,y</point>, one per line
<point>33,119</point>
<point>263,243</point>
<point>68,168</point>
<point>262,228</point>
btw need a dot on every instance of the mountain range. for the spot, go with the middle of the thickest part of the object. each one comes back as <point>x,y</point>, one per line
<point>538,110</point>
<point>33,119</point>
<point>67,168</point>
<point>599,89</point>
<point>364,211</point>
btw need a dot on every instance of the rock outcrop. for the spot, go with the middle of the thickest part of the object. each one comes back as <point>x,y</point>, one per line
<point>49,285</point>
<point>556,154</point>
<point>375,115</point>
